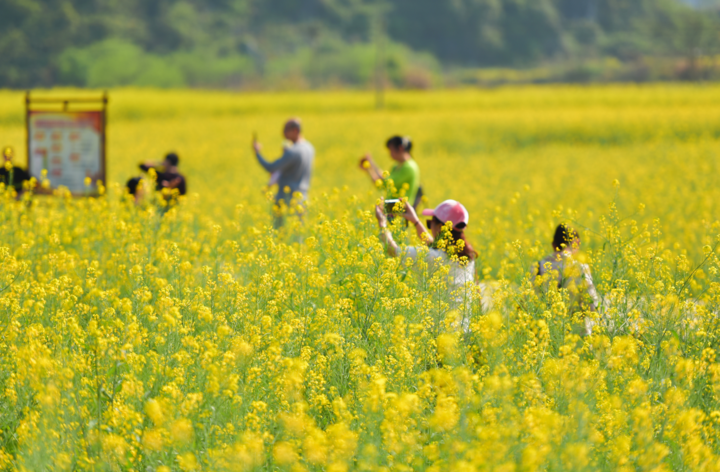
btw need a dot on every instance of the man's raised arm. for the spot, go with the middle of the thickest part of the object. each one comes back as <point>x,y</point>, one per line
<point>285,160</point>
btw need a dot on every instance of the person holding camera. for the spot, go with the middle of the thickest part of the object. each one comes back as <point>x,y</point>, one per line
<point>168,175</point>
<point>446,244</point>
<point>405,175</point>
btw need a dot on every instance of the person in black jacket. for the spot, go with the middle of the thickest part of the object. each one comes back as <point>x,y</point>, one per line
<point>168,175</point>
<point>11,175</point>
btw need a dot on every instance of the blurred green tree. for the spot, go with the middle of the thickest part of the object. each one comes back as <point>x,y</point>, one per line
<point>228,42</point>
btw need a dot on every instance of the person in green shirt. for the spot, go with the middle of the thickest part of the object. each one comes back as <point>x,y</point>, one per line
<point>405,175</point>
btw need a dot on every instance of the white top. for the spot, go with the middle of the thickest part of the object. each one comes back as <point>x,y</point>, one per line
<point>459,274</point>
<point>570,274</point>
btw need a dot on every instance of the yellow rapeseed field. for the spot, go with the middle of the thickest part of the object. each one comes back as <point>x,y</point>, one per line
<point>199,338</point>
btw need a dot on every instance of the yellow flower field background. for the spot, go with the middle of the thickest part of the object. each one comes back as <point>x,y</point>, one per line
<point>198,338</point>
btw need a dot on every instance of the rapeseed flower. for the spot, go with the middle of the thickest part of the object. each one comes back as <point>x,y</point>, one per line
<point>197,337</point>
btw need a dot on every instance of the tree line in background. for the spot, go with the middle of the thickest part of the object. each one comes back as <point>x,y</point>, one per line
<point>321,43</point>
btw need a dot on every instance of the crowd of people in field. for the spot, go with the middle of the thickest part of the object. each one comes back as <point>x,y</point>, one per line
<point>443,234</point>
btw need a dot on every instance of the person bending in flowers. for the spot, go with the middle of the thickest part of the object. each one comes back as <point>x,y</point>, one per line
<point>10,174</point>
<point>446,245</point>
<point>562,268</point>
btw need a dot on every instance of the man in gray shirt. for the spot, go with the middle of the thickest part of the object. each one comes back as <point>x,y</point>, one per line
<point>292,170</point>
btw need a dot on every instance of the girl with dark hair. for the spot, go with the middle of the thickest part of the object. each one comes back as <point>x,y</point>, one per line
<point>562,268</point>
<point>447,245</point>
<point>405,175</point>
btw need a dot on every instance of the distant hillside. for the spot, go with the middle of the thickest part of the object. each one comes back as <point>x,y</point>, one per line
<point>326,43</point>
<point>702,3</point>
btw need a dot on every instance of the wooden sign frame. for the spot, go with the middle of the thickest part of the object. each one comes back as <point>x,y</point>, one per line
<point>82,110</point>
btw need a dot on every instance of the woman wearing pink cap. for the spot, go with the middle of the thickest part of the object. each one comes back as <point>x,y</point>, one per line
<point>446,243</point>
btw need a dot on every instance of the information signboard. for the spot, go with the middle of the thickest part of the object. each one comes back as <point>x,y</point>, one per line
<point>68,144</point>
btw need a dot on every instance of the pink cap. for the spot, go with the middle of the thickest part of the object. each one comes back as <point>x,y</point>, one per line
<point>450,210</point>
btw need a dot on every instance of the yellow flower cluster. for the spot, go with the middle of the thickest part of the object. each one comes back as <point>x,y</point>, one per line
<point>196,337</point>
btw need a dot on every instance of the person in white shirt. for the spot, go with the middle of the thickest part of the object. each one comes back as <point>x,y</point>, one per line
<point>445,244</point>
<point>562,267</point>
